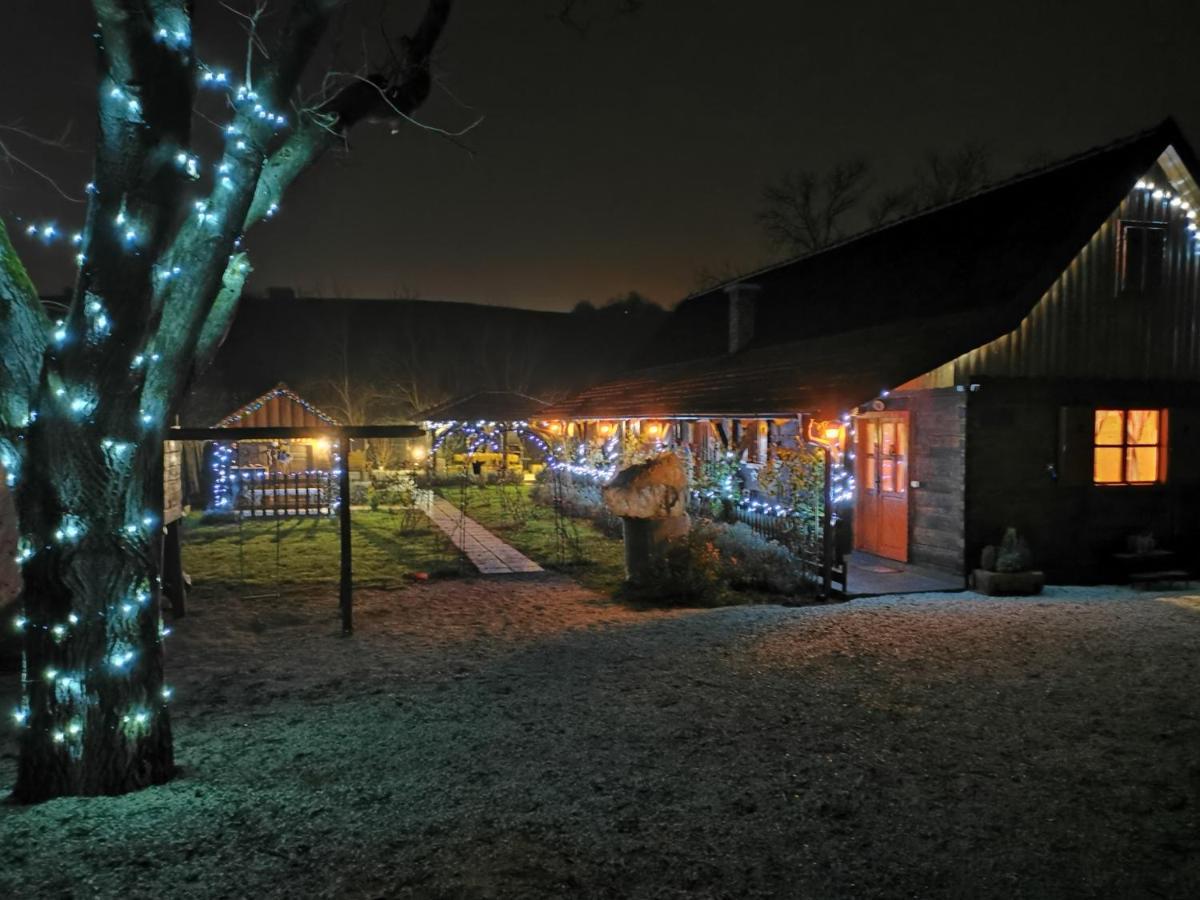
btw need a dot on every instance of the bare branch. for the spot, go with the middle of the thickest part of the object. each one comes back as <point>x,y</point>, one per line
<point>401,114</point>
<point>220,316</point>
<point>804,213</point>
<point>401,88</point>
<point>11,158</point>
<point>574,15</point>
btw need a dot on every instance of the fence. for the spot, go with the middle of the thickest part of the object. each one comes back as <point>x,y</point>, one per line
<point>260,493</point>
<point>805,539</point>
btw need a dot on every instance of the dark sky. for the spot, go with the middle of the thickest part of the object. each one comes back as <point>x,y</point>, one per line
<point>633,157</point>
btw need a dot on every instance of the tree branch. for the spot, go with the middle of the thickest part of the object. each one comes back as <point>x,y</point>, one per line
<point>220,316</point>
<point>398,89</point>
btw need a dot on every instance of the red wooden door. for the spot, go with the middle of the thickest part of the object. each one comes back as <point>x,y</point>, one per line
<point>881,513</point>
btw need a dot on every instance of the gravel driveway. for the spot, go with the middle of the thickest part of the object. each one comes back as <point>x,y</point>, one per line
<point>524,738</point>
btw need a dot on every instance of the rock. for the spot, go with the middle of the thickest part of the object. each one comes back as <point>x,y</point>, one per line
<point>1000,584</point>
<point>655,489</point>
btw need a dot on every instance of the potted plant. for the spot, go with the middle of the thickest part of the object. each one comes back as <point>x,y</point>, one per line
<point>1007,570</point>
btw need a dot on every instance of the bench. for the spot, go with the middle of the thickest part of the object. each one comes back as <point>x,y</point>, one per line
<point>1166,576</point>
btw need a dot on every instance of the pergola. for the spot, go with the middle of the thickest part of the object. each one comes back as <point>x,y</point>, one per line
<point>338,433</point>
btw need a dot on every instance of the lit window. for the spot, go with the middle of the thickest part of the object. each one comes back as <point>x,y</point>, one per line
<point>1140,251</point>
<point>1129,446</point>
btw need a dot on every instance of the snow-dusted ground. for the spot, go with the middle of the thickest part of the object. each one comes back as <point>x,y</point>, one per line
<point>524,738</point>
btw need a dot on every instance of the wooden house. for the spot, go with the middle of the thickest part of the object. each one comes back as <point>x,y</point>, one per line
<point>294,476</point>
<point>1028,356</point>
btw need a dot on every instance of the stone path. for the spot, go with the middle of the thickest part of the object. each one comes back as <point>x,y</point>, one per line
<point>489,554</point>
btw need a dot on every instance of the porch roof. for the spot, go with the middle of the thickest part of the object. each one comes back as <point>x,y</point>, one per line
<point>279,407</point>
<point>486,406</point>
<point>825,376</point>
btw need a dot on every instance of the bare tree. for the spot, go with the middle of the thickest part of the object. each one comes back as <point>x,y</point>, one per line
<point>349,399</point>
<point>941,178</point>
<point>710,276</point>
<point>804,212</point>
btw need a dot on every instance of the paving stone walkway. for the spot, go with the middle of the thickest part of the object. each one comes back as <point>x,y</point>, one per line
<point>489,554</point>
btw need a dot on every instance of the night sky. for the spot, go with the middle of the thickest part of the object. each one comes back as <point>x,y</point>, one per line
<point>633,157</point>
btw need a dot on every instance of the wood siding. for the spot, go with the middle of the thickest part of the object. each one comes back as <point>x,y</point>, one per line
<point>1025,470</point>
<point>1082,328</point>
<point>172,481</point>
<point>1085,345</point>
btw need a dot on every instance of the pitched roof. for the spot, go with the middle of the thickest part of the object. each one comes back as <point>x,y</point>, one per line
<point>487,406</point>
<point>942,282</point>
<point>279,407</point>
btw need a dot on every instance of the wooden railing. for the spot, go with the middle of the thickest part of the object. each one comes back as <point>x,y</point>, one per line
<point>262,493</point>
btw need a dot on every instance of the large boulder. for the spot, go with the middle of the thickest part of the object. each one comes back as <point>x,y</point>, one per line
<point>655,489</point>
<point>651,499</point>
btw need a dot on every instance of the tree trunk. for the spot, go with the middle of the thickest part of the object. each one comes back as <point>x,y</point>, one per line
<point>95,706</point>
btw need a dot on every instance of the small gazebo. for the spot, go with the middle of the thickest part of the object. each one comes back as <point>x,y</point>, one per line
<point>289,476</point>
<point>489,433</point>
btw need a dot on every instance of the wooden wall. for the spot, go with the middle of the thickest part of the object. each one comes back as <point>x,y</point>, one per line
<point>1082,328</point>
<point>1083,346</point>
<point>937,461</point>
<point>1027,470</point>
<point>172,481</point>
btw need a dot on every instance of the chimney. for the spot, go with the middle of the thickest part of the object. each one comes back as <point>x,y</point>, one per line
<point>742,300</point>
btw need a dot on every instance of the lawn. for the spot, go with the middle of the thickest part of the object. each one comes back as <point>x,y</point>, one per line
<point>596,560</point>
<point>260,553</point>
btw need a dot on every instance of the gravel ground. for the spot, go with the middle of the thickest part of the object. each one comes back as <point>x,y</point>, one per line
<point>524,738</point>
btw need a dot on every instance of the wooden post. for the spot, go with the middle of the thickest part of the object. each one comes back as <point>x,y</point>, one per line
<point>827,527</point>
<point>347,574</point>
<point>173,585</point>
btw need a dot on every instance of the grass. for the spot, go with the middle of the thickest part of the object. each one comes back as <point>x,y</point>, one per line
<point>222,553</point>
<point>596,561</point>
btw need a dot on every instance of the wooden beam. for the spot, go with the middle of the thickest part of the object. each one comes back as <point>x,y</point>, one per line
<point>347,574</point>
<point>336,432</point>
<point>174,587</point>
<point>827,526</point>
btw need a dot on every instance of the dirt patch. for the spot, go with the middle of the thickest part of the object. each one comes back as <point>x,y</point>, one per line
<point>526,738</point>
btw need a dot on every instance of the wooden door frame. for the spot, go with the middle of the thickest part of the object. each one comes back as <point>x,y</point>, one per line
<point>861,419</point>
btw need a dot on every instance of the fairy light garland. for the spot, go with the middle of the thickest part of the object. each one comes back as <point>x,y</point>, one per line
<point>122,620</point>
<point>66,720</point>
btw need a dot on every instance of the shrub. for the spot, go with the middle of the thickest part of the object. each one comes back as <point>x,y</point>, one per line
<point>1013,555</point>
<point>581,499</point>
<point>699,569</point>
<point>689,573</point>
<point>514,505</point>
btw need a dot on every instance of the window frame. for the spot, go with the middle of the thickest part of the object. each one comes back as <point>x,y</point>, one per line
<point>1125,444</point>
<point>1123,288</point>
